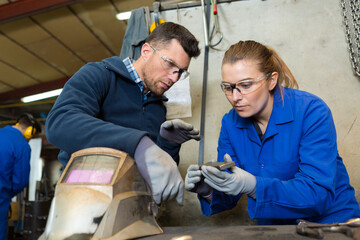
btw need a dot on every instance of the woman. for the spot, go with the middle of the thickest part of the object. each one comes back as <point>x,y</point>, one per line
<point>283,142</point>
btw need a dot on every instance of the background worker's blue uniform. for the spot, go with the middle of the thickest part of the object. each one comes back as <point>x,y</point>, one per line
<point>14,170</point>
<point>298,170</point>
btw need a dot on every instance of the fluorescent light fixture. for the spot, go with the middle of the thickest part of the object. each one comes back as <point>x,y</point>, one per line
<point>123,15</point>
<point>41,96</point>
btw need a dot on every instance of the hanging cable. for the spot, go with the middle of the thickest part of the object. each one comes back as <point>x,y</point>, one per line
<point>215,32</point>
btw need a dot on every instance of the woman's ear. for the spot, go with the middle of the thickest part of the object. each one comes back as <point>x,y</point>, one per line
<point>273,80</point>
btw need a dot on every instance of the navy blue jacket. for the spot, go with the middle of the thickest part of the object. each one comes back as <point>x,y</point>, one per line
<point>298,170</point>
<point>100,106</point>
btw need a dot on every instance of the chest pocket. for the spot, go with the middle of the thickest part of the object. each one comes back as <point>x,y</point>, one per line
<point>279,158</point>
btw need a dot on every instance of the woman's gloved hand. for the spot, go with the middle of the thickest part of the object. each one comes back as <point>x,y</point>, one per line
<point>194,182</point>
<point>160,171</point>
<point>239,182</point>
<point>178,131</point>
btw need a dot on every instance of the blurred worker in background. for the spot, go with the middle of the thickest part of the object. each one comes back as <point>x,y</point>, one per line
<point>14,163</point>
<point>283,142</point>
<point>119,104</point>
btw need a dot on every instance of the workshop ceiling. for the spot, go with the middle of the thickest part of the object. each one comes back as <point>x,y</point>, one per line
<point>43,43</point>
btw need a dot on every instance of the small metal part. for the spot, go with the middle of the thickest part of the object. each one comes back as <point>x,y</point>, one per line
<point>221,165</point>
<point>354,222</point>
<point>302,229</point>
<point>348,231</point>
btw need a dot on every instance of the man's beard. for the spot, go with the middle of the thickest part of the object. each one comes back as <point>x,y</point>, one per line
<point>150,86</point>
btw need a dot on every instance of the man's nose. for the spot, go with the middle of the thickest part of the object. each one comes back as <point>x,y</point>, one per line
<point>174,76</point>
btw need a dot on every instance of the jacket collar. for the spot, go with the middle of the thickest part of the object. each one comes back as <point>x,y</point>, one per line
<point>282,108</point>
<point>282,113</point>
<point>116,65</point>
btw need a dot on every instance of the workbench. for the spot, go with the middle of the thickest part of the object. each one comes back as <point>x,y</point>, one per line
<point>275,232</point>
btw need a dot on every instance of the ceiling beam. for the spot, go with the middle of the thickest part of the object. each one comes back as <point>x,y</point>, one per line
<point>25,8</point>
<point>34,89</point>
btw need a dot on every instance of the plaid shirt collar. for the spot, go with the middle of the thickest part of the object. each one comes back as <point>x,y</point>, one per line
<point>134,75</point>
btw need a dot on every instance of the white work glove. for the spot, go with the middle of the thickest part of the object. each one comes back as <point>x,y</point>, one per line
<point>178,131</point>
<point>160,171</point>
<point>194,182</point>
<point>239,181</point>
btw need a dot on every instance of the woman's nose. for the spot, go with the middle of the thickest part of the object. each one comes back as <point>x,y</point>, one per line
<point>236,95</point>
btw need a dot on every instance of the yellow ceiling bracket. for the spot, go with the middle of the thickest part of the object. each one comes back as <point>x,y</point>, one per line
<point>154,25</point>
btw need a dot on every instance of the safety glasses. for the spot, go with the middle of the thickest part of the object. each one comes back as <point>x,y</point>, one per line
<point>170,66</point>
<point>244,87</point>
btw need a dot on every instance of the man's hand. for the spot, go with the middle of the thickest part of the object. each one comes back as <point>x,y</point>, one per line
<point>194,182</point>
<point>160,171</point>
<point>178,131</point>
<point>239,181</point>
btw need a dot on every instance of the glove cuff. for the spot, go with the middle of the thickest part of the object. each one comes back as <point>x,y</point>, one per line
<point>252,193</point>
<point>140,159</point>
<point>144,143</point>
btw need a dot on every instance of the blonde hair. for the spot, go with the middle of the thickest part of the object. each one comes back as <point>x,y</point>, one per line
<point>268,60</point>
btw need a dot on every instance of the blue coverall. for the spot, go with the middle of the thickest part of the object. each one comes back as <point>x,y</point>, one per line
<point>15,169</point>
<point>298,170</point>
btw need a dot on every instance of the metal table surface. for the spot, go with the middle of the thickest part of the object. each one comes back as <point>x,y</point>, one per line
<point>274,232</point>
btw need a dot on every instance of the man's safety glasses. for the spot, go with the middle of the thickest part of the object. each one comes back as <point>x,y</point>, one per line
<point>169,65</point>
<point>244,86</point>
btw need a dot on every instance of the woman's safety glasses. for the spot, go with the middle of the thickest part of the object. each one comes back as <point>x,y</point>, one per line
<point>244,87</point>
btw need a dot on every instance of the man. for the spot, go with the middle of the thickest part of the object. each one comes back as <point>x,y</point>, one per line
<point>14,163</point>
<point>119,104</point>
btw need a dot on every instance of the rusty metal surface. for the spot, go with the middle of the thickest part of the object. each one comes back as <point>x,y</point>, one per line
<point>284,232</point>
